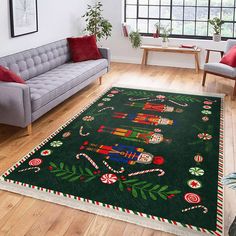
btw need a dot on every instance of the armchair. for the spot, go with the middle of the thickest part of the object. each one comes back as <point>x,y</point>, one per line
<point>220,69</point>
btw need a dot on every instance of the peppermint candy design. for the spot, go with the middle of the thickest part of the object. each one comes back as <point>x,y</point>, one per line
<point>195,184</point>
<point>46,152</point>
<point>207,102</point>
<point>198,158</point>
<point>110,95</point>
<point>157,130</point>
<point>66,134</point>
<point>35,162</point>
<point>207,107</point>
<point>114,92</point>
<point>160,97</point>
<point>206,112</point>
<point>88,118</point>
<point>205,118</point>
<point>106,99</point>
<point>109,178</point>
<point>100,104</point>
<point>192,198</point>
<point>204,136</point>
<point>196,171</point>
<point>56,143</point>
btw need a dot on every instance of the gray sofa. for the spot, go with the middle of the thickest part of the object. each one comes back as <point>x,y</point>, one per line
<point>50,78</point>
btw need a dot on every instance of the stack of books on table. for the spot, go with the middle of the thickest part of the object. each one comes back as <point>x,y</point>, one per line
<point>188,46</point>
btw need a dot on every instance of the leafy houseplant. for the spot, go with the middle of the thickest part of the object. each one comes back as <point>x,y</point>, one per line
<point>96,23</point>
<point>216,25</point>
<point>164,33</point>
<point>135,39</point>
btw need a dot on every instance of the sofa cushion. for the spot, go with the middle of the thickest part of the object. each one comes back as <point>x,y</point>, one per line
<point>9,76</point>
<point>230,57</point>
<point>48,86</point>
<point>221,69</point>
<point>84,48</point>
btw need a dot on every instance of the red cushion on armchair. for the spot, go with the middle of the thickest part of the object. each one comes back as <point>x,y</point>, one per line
<point>9,76</point>
<point>83,48</point>
<point>230,57</point>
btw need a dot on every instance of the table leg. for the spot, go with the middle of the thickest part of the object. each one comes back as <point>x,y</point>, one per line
<point>197,62</point>
<point>145,55</point>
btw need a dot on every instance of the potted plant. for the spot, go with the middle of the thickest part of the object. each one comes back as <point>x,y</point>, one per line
<point>135,39</point>
<point>96,23</point>
<point>216,25</point>
<point>164,33</point>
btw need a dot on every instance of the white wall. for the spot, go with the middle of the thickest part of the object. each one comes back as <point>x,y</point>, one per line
<point>123,52</point>
<point>57,19</point>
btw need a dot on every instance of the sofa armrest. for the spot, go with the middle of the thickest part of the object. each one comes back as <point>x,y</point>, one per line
<point>15,104</point>
<point>106,53</point>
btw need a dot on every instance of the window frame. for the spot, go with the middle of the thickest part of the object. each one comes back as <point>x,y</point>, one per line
<point>207,37</point>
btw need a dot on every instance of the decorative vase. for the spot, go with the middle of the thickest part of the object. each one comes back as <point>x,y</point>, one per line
<point>164,43</point>
<point>216,37</point>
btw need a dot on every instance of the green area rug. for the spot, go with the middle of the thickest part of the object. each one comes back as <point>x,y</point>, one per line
<point>152,158</point>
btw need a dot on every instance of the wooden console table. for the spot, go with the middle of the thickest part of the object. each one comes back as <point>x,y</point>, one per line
<point>153,48</point>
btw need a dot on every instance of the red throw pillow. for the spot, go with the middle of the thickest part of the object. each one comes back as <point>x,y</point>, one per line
<point>84,48</point>
<point>9,76</point>
<point>230,57</point>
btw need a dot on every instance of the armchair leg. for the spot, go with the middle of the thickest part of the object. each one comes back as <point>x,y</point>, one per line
<point>234,93</point>
<point>204,78</point>
<point>100,80</point>
<point>29,129</point>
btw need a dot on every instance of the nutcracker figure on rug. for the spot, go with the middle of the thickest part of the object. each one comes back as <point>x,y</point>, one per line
<point>159,107</point>
<point>141,118</point>
<point>123,154</point>
<point>135,134</point>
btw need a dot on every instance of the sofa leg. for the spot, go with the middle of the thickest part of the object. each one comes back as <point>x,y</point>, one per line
<point>204,78</point>
<point>100,80</point>
<point>29,129</point>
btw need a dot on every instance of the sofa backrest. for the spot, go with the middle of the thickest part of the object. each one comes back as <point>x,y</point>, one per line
<point>36,61</point>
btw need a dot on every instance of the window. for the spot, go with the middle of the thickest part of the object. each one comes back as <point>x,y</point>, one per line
<point>187,18</point>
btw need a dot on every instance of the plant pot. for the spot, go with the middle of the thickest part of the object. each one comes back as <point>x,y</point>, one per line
<point>216,37</point>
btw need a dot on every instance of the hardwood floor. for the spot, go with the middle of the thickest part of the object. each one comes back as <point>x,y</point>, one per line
<point>21,215</point>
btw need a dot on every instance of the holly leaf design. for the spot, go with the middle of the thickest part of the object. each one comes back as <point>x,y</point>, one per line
<point>121,186</point>
<point>143,194</point>
<point>134,192</point>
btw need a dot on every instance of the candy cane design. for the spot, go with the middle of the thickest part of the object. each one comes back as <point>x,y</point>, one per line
<point>81,132</point>
<point>106,108</point>
<point>88,158</point>
<point>111,169</point>
<point>36,169</point>
<point>138,99</point>
<point>179,104</point>
<point>205,210</point>
<point>162,172</point>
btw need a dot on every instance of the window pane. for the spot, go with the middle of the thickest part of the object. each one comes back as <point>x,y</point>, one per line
<point>189,13</point>
<point>228,3</point>
<point>165,2</point>
<point>143,2</point>
<point>202,2</point>
<point>177,13</point>
<point>215,3</point>
<point>154,2</point>
<point>132,24</point>
<point>131,11</point>
<point>177,2</point>
<point>165,23</point>
<point>202,13</point>
<point>227,30</point>
<point>201,28</point>
<point>131,1</point>
<point>142,26</point>
<point>153,12</point>
<point>189,27</point>
<point>177,27</point>
<point>143,11</point>
<point>190,2</point>
<point>152,28</point>
<point>214,12</point>
<point>227,14</point>
<point>165,12</point>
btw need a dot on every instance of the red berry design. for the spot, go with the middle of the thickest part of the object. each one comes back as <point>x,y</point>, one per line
<point>129,189</point>
<point>50,168</point>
